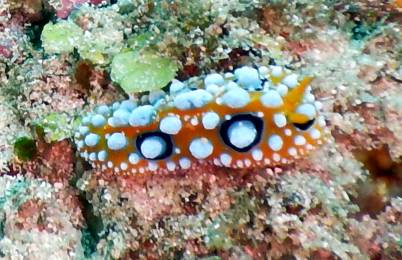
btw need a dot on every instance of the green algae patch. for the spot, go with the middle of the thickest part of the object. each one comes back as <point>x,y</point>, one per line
<point>217,236</point>
<point>61,37</point>
<point>14,194</point>
<point>140,41</point>
<point>25,148</point>
<point>88,243</point>
<point>100,44</point>
<point>138,72</point>
<point>56,126</point>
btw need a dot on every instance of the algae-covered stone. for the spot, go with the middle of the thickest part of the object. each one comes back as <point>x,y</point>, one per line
<point>137,72</point>
<point>104,33</point>
<point>216,237</point>
<point>99,44</point>
<point>61,37</point>
<point>25,148</point>
<point>27,205</point>
<point>57,126</point>
<point>140,41</point>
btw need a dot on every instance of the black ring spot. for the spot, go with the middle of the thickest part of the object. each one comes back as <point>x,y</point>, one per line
<point>165,137</point>
<point>256,121</point>
<point>304,126</point>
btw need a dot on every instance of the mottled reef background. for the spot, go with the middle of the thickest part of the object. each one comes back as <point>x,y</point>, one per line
<point>342,202</point>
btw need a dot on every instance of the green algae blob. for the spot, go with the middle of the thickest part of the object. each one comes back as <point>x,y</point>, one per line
<point>88,243</point>
<point>61,37</point>
<point>138,72</point>
<point>57,126</point>
<point>25,148</point>
<point>140,41</point>
<point>100,44</point>
<point>14,194</point>
<point>217,236</point>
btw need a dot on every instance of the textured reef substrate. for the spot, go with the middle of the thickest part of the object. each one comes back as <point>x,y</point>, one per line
<point>60,59</point>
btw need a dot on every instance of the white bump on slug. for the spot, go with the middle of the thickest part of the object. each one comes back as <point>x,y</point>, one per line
<point>315,133</point>
<point>170,125</point>
<point>290,80</point>
<point>184,163</point>
<point>152,147</point>
<point>91,139</point>
<point>257,154</point>
<point>271,98</point>
<point>201,148</point>
<point>133,158</point>
<point>280,120</point>
<point>276,71</point>
<point>226,159</point>
<point>210,120</point>
<point>242,133</point>
<point>117,141</point>
<point>275,142</point>
<point>299,140</point>
<point>171,166</point>
<point>307,109</point>
<point>236,98</point>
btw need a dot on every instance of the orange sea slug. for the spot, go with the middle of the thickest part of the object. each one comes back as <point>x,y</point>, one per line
<point>398,3</point>
<point>250,118</point>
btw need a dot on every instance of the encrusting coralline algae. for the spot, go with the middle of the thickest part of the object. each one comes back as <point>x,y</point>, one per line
<point>61,60</point>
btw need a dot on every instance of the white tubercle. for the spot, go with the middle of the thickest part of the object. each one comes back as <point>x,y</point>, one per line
<point>170,125</point>
<point>152,166</point>
<point>307,109</point>
<point>275,142</point>
<point>124,166</point>
<point>280,120</point>
<point>290,80</point>
<point>98,120</point>
<point>83,130</point>
<point>248,77</point>
<point>271,98</point>
<point>315,134</point>
<point>236,98</point>
<point>171,166</point>
<point>201,148</point>
<point>282,89</point>
<point>276,71</point>
<point>120,117</point>
<point>133,158</point>
<point>102,155</point>
<point>257,154</point>
<point>142,115</point>
<point>184,163</point>
<point>116,141</point>
<point>215,79</point>
<point>210,120</point>
<point>242,133</point>
<point>152,147</point>
<point>128,105</point>
<point>192,99</point>
<point>299,140</point>
<point>292,151</point>
<point>91,139</point>
<point>225,159</point>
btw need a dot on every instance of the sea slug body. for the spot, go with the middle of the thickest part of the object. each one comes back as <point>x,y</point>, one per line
<point>251,118</point>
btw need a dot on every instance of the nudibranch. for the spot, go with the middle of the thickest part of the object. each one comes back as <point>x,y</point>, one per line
<point>254,117</point>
